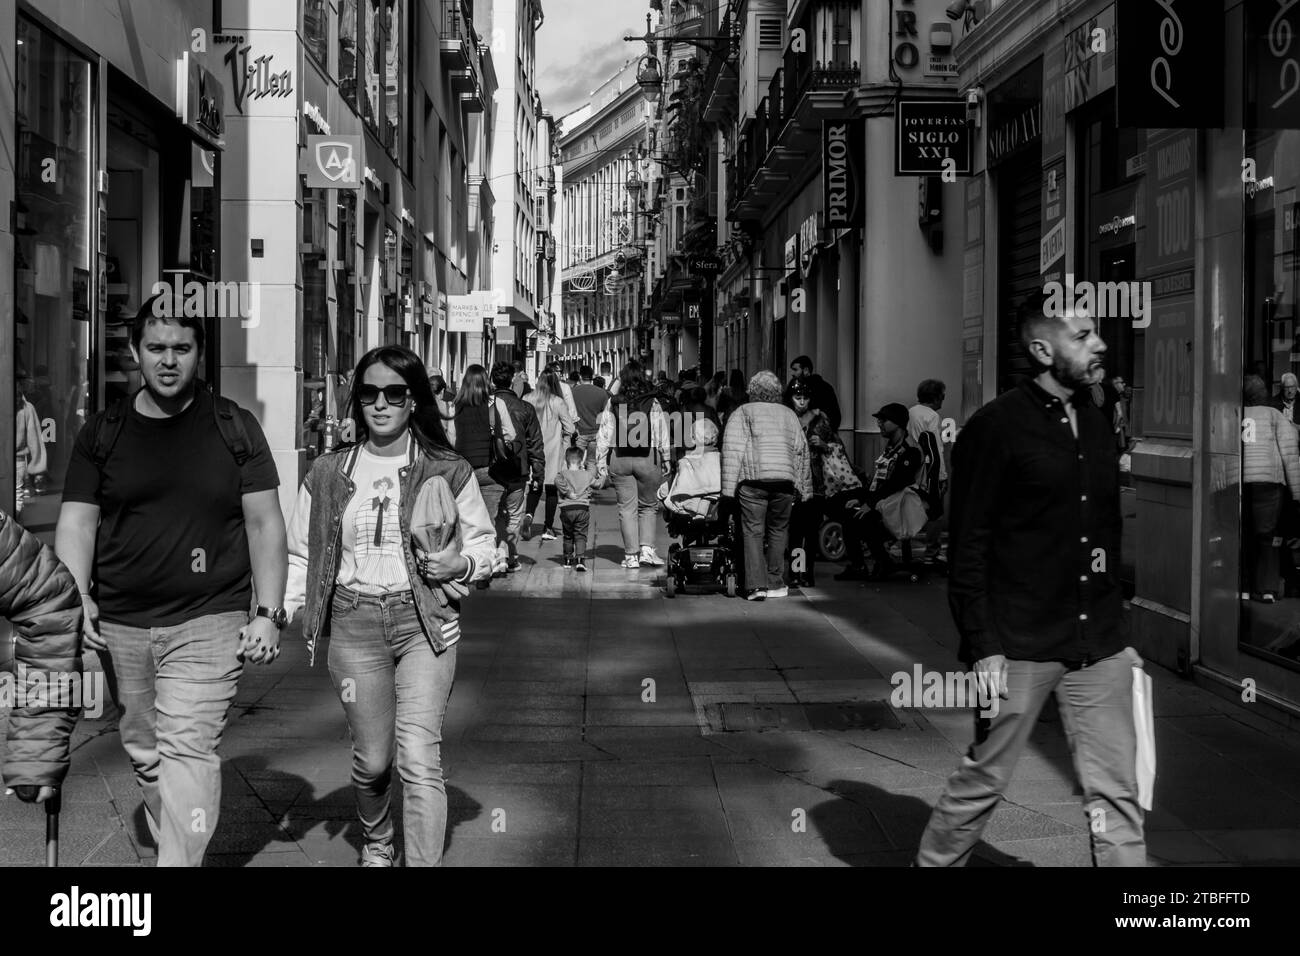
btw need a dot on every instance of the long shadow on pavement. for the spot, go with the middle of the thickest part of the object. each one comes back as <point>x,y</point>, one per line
<point>902,817</point>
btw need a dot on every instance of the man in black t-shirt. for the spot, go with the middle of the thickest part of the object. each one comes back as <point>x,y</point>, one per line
<point>170,510</point>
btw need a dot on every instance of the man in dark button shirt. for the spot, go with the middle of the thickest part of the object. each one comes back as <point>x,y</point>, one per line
<point>1035,593</point>
<point>172,519</point>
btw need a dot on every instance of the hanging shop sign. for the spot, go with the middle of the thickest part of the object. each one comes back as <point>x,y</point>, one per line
<point>332,162</point>
<point>791,253</point>
<point>1273,53</point>
<point>931,137</point>
<point>1170,73</point>
<point>200,101</point>
<point>808,243</point>
<point>706,264</point>
<point>844,173</point>
<point>463,314</point>
<point>1089,59</point>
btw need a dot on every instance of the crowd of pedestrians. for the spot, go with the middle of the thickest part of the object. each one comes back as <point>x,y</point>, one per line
<point>180,577</point>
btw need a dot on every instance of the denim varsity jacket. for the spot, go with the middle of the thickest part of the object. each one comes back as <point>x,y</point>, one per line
<point>316,539</point>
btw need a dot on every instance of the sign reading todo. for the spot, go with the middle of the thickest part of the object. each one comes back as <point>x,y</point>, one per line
<point>332,162</point>
<point>844,169</point>
<point>930,138</point>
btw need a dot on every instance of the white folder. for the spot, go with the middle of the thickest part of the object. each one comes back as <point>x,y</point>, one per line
<point>1145,725</point>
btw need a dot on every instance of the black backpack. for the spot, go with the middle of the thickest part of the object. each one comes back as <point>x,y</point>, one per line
<point>507,458</point>
<point>626,426</point>
<point>230,424</point>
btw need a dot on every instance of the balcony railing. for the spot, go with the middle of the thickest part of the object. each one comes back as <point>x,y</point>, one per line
<point>775,116</point>
<point>459,40</point>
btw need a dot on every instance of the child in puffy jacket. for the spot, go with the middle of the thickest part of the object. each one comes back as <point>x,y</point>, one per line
<point>39,597</point>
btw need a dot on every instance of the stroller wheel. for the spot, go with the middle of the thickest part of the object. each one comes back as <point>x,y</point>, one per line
<point>830,541</point>
<point>730,582</point>
<point>670,586</point>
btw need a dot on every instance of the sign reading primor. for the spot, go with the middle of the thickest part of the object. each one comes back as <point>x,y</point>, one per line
<point>844,173</point>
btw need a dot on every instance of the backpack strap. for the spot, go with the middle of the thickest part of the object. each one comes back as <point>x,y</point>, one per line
<point>108,427</point>
<point>231,425</point>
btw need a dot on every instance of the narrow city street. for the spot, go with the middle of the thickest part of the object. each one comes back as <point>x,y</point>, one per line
<point>768,740</point>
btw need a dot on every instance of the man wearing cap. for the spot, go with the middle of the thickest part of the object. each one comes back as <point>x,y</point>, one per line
<point>1284,400</point>
<point>1034,589</point>
<point>894,470</point>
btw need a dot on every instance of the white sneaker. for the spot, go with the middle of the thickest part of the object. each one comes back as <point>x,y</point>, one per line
<point>778,592</point>
<point>649,558</point>
<point>631,562</point>
<point>758,594</point>
<point>377,854</point>
<point>548,535</point>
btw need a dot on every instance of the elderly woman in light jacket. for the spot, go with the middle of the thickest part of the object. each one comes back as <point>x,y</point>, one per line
<point>1270,467</point>
<point>765,465</point>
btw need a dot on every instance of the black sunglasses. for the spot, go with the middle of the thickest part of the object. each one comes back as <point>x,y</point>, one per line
<point>393,394</point>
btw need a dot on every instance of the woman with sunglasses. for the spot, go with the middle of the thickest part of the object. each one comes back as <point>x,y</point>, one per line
<point>381,602</point>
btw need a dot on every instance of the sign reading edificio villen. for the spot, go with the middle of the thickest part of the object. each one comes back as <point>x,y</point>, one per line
<point>332,162</point>
<point>931,137</point>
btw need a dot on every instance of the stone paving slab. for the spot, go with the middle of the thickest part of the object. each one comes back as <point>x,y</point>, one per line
<point>553,758</point>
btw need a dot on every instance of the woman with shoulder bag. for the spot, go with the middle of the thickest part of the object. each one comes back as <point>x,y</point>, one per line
<point>386,535</point>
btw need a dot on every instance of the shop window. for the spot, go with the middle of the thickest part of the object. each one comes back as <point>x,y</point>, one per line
<point>345,282</point>
<point>394,57</point>
<point>54,310</point>
<point>1270,515</point>
<point>349,62</point>
<point>1107,244</point>
<point>372,45</point>
<point>316,30</point>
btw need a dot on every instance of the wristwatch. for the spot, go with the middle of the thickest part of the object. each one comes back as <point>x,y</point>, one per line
<point>277,615</point>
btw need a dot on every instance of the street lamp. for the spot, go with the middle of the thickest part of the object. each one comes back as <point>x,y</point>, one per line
<point>634,184</point>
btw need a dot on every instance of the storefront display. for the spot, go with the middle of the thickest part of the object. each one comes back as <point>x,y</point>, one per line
<point>53,215</point>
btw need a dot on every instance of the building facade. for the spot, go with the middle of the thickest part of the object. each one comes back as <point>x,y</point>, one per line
<point>317,170</point>
<point>516,165</point>
<point>602,250</point>
<point>1181,189</point>
<point>787,89</point>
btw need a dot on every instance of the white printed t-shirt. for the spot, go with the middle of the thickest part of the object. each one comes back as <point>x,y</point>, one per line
<point>372,561</point>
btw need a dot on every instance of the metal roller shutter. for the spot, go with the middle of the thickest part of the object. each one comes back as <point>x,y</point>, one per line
<point>1019,218</point>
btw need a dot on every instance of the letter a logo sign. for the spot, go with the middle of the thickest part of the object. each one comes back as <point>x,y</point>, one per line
<point>335,161</point>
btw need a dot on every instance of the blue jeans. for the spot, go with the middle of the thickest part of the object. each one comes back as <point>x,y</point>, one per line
<point>505,505</point>
<point>1096,706</point>
<point>765,525</point>
<point>587,443</point>
<point>636,483</point>
<point>174,686</point>
<point>394,690</point>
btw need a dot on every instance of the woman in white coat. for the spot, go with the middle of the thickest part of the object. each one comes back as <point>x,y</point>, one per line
<point>558,430</point>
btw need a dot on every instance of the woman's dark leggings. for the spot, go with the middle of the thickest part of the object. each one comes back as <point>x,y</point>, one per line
<point>552,502</point>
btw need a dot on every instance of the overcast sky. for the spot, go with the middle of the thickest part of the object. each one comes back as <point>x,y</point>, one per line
<point>579,47</point>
